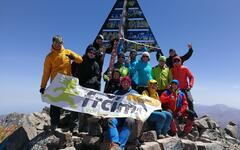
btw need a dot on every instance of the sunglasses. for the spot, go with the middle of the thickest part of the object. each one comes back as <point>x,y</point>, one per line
<point>145,56</point>
<point>93,53</point>
<point>176,61</point>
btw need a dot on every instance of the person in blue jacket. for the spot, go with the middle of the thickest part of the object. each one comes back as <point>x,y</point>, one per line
<point>118,137</point>
<point>131,63</point>
<point>144,72</point>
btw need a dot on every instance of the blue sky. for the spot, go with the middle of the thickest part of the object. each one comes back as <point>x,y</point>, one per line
<point>26,29</point>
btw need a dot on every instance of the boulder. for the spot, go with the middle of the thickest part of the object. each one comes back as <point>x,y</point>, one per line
<point>94,128</point>
<point>91,142</point>
<point>232,130</point>
<point>149,136</point>
<point>16,140</point>
<point>170,143</point>
<point>188,145</point>
<point>150,146</point>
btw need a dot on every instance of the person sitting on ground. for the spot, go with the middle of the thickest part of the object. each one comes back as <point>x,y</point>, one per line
<point>174,101</point>
<point>144,72</point>
<point>114,83</point>
<point>161,119</point>
<point>119,138</point>
<point>162,74</point>
<point>57,61</point>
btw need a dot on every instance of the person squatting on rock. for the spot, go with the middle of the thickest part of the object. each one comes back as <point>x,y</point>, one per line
<point>161,119</point>
<point>162,74</point>
<point>87,73</point>
<point>185,78</point>
<point>174,101</point>
<point>57,61</point>
<point>118,137</point>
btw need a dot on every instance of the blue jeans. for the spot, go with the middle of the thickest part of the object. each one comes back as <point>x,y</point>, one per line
<point>162,121</point>
<point>120,137</point>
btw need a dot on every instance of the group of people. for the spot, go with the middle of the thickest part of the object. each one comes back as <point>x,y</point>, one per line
<point>169,82</point>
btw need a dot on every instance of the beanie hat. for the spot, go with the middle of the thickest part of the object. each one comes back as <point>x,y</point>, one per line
<point>58,39</point>
<point>152,81</point>
<point>116,70</point>
<point>146,54</point>
<point>172,50</point>
<point>177,58</point>
<point>132,51</point>
<point>175,81</point>
<point>126,78</point>
<point>121,55</point>
<point>162,58</point>
<point>100,37</point>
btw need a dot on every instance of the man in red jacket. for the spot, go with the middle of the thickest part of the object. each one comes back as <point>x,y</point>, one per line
<point>174,101</point>
<point>185,78</point>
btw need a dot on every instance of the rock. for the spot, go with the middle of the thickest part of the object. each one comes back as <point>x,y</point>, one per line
<point>210,134</point>
<point>188,145</point>
<point>232,130</point>
<point>16,140</point>
<point>104,146</point>
<point>202,122</point>
<point>212,124</point>
<point>170,143</point>
<point>149,136</point>
<point>232,139</point>
<point>45,141</point>
<point>68,148</point>
<point>150,146</point>
<point>94,128</point>
<point>91,142</point>
<point>209,146</point>
<point>21,120</point>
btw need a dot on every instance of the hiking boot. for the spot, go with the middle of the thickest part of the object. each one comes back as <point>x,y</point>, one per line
<point>167,136</point>
<point>53,127</point>
<point>114,146</point>
<point>160,136</point>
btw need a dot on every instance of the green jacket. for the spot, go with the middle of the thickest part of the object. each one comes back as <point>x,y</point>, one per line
<point>163,76</point>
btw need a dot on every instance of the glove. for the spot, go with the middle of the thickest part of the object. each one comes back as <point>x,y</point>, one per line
<point>42,90</point>
<point>106,78</point>
<point>70,56</point>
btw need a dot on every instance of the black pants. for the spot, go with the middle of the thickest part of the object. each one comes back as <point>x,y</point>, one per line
<point>55,115</point>
<point>189,100</point>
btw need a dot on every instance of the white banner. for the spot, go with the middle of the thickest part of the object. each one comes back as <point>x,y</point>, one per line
<point>65,92</point>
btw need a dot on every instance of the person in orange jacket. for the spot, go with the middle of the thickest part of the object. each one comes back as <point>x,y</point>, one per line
<point>185,78</point>
<point>174,101</point>
<point>57,61</point>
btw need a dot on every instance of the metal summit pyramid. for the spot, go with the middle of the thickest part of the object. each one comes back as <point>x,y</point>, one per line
<point>127,17</point>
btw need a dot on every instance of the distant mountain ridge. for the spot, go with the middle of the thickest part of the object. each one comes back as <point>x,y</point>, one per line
<point>220,112</point>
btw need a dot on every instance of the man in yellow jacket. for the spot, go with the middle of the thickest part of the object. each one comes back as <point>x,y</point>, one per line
<point>57,61</point>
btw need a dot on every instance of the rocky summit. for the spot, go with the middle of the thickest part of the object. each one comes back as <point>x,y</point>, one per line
<point>31,132</point>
